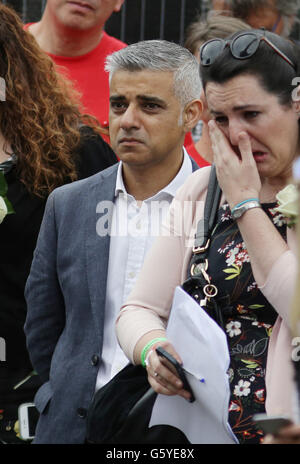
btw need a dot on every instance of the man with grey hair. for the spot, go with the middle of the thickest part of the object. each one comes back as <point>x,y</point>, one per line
<point>274,15</point>
<point>96,233</point>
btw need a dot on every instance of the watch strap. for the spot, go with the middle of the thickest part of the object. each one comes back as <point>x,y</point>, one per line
<point>238,211</point>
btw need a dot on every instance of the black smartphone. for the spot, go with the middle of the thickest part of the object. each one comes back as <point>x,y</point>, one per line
<point>179,369</point>
<point>271,424</point>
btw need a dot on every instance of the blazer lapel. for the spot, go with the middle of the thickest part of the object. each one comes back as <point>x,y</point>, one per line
<point>100,208</point>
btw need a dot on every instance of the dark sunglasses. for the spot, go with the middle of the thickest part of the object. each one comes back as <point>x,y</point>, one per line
<point>242,47</point>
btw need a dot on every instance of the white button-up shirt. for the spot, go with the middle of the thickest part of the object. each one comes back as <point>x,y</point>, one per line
<point>134,229</point>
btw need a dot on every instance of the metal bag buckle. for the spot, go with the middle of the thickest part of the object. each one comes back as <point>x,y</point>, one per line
<point>201,249</point>
<point>197,268</point>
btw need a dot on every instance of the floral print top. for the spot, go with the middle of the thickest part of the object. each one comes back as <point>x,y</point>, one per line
<point>249,318</point>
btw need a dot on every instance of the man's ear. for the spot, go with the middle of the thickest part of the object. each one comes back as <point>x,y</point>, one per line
<point>205,111</point>
<point>118,6</point>
<point>191,114</point>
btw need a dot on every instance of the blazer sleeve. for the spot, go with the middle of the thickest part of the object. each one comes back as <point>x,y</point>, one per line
<point>45,305</point>
<point>93,154</point>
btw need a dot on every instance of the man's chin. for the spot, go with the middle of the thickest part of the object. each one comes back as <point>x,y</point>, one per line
<point>130,151</point>
<point>132,158</point>
<point>74,22</point>
<point>78,21</point>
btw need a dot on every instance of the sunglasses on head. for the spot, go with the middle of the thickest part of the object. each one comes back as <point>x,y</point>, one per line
<point>242,47</point>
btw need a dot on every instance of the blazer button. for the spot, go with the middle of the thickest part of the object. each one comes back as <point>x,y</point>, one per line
<point>81,412</point>
<point>95,360</point>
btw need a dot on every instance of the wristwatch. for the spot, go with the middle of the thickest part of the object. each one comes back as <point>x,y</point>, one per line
<point>238,211</point>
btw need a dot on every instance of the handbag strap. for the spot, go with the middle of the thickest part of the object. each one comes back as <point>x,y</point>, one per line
<point>199,263</point>
<point>206,224</point>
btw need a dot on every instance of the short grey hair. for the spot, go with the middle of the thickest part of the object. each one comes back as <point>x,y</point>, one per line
<point>160,55</point>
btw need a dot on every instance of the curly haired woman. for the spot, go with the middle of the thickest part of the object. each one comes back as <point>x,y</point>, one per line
<point>45,142</point>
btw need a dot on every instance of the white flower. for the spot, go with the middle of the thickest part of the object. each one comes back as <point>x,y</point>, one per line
<point>251,287</point>
<point>3,209</point>
<point>233,328</point>
<point>231,256</point>
<point>279,219</point>
<point>242,388</point>
<point>288,202</point>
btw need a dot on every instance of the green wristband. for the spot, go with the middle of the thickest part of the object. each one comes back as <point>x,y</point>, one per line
<point>147,347</point>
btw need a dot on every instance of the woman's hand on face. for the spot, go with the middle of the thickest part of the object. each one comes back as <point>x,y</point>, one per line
<point>162,379</point>
<point>236,170</point>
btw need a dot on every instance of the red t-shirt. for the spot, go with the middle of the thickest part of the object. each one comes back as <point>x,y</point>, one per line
<point>196,156</point>
<point>89,77</point>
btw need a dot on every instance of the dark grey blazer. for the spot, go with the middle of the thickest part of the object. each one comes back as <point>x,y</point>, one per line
<point>65,295</point>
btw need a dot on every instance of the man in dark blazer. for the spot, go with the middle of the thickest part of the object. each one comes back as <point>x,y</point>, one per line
<point>79,264</point>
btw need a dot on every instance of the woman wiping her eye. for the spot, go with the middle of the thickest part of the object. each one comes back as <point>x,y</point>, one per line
<point>254,132</point>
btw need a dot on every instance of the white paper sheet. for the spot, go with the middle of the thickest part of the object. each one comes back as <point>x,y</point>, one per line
<point>203,348</point>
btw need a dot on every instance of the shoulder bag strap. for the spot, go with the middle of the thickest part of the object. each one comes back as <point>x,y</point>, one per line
<point>206,224</point>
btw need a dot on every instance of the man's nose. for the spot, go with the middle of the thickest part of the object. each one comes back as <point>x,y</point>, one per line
<point>130,118</point>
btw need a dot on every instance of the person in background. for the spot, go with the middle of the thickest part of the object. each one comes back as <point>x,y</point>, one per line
<point>73,35</point>
<point>277,16</point>
<point>255,138</point>
<point>45,142</point>
<point>154,89</point>
<point>215,26</point>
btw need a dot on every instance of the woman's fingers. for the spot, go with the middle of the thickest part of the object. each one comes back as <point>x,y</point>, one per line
<point>222,146</point>
<point>160,386</point>
<point>162,379</point>
<point>161,373</point>
<point>245,148</point>
<point>235,166</point>
<point>218,140</point>
<point>290,433</point>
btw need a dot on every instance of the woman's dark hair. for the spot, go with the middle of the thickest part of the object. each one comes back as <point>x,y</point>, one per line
<point>274,73</point>
<point>40,117</point>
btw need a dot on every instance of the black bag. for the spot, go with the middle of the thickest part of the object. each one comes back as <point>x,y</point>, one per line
<point>198,284</point>
<point>121,410</point>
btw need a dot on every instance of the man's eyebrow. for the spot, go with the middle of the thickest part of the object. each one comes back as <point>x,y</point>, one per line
<point>152,99</point>
<point>117,98</point>
<point>141,98</point>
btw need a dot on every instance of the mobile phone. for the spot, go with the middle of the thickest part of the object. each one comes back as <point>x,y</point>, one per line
<point>174,364</point>
<point>271,424</point>
<point>28,418</point>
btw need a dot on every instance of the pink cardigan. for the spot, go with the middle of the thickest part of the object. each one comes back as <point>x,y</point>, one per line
<point>166,267</point>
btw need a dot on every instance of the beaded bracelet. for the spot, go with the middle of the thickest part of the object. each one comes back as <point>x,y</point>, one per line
<point>146,348</point>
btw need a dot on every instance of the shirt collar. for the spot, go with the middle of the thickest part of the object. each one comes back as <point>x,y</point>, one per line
<point>170,189</point>
<point>120,187</point>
